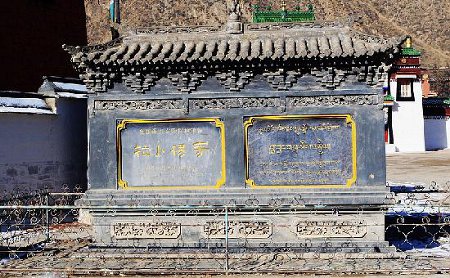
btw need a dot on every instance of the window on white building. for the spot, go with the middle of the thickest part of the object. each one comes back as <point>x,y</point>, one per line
<point>405,89</point>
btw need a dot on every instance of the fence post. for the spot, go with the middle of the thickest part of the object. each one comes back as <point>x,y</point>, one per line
<point>47,217</point>
<point>226,240</point>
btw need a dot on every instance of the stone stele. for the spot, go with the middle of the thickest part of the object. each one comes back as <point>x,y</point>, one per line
<point>246,135</point>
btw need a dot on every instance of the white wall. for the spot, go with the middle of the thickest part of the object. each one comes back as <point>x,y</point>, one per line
<point>44,151</point>
<point>437,133</point>
<point>407,121</point>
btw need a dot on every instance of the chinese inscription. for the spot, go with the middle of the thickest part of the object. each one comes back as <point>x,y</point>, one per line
<point>178,150</point>
<point>331,228</point>
<point>251,229</point>
<point>300,151</point>
<point>143,230</point>
<point>170,153</point>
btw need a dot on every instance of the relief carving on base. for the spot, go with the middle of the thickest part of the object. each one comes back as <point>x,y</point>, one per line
<point>328,228</point>
<point>249,229</point>
<point>145,230</point>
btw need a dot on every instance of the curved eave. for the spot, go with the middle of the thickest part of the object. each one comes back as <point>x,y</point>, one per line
<point>218,47</point>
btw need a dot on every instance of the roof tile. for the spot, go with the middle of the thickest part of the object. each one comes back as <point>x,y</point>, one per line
<point>256,49</point>
<point>268,50</point>
<point>324,47</point>
<point>335,45</point>
<point>301,48</point>
<point>313,47</point>
<point>286,41</point>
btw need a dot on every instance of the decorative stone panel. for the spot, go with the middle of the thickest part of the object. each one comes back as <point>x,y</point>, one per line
<point>228,103</point>
<point>234,80</point>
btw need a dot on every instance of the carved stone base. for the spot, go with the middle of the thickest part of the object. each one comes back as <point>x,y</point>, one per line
<point>240,229</point>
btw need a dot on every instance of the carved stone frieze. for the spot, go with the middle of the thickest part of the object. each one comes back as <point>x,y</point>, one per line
<point>187,81</point>
<point>371,75</point>
<point>227,103</point>
<point>330,228</point>
<point>234,80</point>
<point>330,77</point>
<point>360,73</point>
<point>382,75</point>
<point>145,230</point>
<point>101,105</point>
<point>249,229</point>
<point>332,100</point>
<point>98,82</point>
<point>282,80</point>
<point>140,83</point>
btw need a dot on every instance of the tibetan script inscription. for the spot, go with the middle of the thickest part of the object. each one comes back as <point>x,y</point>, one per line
<point>331,228</point>
<point>144,230</point>
<point>250,229</point>
<point>171,153</point>
<point>316,151</point>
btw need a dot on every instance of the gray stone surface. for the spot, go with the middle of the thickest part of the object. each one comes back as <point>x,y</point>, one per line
<point>173,153</point>
<point>298,231</point>
<point>103,156</point>
<point>299,151</point>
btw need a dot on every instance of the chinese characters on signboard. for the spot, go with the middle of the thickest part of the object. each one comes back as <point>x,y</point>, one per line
<point>171,153</point>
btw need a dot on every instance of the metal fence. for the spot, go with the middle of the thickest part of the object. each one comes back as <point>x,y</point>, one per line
<point>44,232</point>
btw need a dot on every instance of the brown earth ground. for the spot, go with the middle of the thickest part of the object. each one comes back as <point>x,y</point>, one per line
<point>294,276</point>
<point>419,168</point>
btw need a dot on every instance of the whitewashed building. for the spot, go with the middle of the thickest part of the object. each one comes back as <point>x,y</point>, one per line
<point>437,123</point>
<point>44,137</point>
<point>405,125</point>
<point>414,123</point>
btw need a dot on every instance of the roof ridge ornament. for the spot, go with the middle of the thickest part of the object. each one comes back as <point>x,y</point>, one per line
<point>234,24</point>
<point>408,49</point>
<point>265,14</point>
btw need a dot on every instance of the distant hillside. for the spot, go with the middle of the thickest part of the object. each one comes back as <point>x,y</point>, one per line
<point>428,21</point>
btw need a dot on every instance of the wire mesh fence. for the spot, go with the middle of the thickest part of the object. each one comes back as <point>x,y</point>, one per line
<point>45,232</point>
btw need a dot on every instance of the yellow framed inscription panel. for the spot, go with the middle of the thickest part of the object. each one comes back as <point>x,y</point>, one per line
<point>301,130</point>
<point>185,129</point>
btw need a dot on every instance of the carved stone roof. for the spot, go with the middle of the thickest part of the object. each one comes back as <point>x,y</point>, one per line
<point>172,45</point>
<point>281,52</point>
